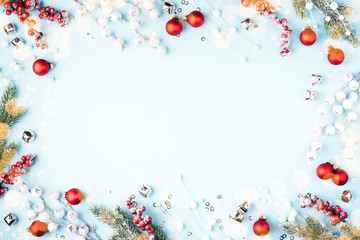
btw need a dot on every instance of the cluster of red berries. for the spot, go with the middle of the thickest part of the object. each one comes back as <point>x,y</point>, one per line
<point>16,169</point>
<point>60,16</point>
<point>143,223</point>
<point>21,8</point>
<point>286,50</point>
<point>335,213</point>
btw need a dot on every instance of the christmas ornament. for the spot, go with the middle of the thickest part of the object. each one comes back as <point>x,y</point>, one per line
<point>340,177</point>
<point>246,3</point>
<point>261,227</point>
<point>14,107</point>
<point>325,171</point>
<point>28,136</point>
<point>346,196</point>
<point>308,36</point>
<point>310,95</point>
<point>10,219</point>
<point>74,196</point>
<point>145,191</point>
<point>4,131</point>
<point>17,42</point>
<point>335,213</point>
<point>195,19</point>
<point>335,55</point>
<point>242,210</point>
<point>315,79</point>
<point>41,67</point>
<point>174,26</point>
<point>38,228</point>
<point>247,24</point>
<point>168,7</point>
<point>9,29</point>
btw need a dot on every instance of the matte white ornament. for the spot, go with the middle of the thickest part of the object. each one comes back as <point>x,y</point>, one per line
<point>18,181</point>
<point>340,96</point>
<point>12,199</point>
<point>352,117</point>
<point>59,212</point>
<point>115,17</point>
<point>119,43</point>
<point>54,195</point>
<point>25,205</point>
<point>148,4</point>
<point>81,11</point>
<point>36,192</point>
<point>353,85</point>
<point>103,21</point>
<point>23,188</point>
<point>347,104</point>
<point>353,96</point>
<point>84,229</point>
<point>52,227</point>
<point>134,23</point>
<point>337,110</point>
<point>133,11</point>
<point>339,127</point>
<point>31,214</point>
<point>105,32</point>
<point>161,50</point>
<point>139,39</point>
<point>154,41</point>
<point>71,228</point>
<point>330,130</point>
<point>44,217</point>
<point>154,14</point>
<point>316,146</point>
<point>72,215</point>
<point>316,131</point>
<point>322,111</point>
<point>348,76</point>
<point>39,207</point>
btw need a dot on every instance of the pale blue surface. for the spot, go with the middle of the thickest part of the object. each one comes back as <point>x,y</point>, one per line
<point>130,118</point>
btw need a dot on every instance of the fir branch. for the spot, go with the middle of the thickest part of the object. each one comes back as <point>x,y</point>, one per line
<point>351,231</point>
<point>7,152</point>
<point>159,232</point>
<point>5,117</point>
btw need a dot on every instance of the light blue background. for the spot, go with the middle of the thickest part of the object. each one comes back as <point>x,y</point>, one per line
<point>129,118</point>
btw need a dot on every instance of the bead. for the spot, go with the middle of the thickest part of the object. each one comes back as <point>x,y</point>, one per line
<point>337,110</point>
<point>352,117</point>
<point>154,14</point>
<point>116,17</point>
<point>330,130</point>
<point>328,18</point>
<point>329,99</point>
<point>134,23</point>
<point>161,50</point>
<point>322,111</point>
<point>340,96</point>
<point>316,146</point>
<point>347,104</point>
<point>353,85</point>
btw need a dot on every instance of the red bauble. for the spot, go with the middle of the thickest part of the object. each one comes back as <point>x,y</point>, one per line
<point>261,227</point>
<point>335,55</point>
<point>325,171</point>
<point>38,228</point>
<point>41,67</point>
<point>195,19</point>
<point>340,177</point>
<point>74,196</point>
<point>174,26</point>
<point>308,36</point>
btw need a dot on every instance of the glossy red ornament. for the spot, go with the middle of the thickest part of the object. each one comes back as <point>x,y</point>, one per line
<point>335,55</point>
<point>195,19</point>
<point>261,227</point>
<point>41,67</point>
<point>308,36</point>
<point>38,228</point>
<point>74,196</point>
<point>325,171</point>
<point>340,177</point>
<point>174,26</point>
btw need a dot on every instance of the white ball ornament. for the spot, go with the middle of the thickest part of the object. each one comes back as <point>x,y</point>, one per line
<point>316,131</point>
<point>134,23</point>
<point>133,11</point>
<point>154,41</point>
<point>353,96</point>
<point>316,146</point>
<point>330,130</point>
<point>339,127</point>
<point>18,181</point>
<point>348,76</point>
<point>81,11</point>
<point>148,4</point>
<point>322,111</point>
<point>154,14</point>
<point>161,50</point>
<point>328,18</point>
<point>31,214</point>
<point>39,207</point>
<point>83,230</point>
<point>329,99</point>
<point>119,43</point>
<point>139,39</point>
<point>309,6</point>
<point>54,195</point>
<point>115,17</point>
<point>36,192</point>
<point>353,85</point>
<point>340,96</point>
<point>337,110</point>
<point>12,199</point>
<point>352,117</point>
<point>311,156</point>
<point>71,228</point>
<point>103,21</point>
<point>348,153</point>
<point>59,212</point>
<point>105,32</point>
<point>52,227</point>
<point>44,217</point>
<point>107,10</point>
<point>72,215</point>
<point>347,104</point>
<point>23,188</point>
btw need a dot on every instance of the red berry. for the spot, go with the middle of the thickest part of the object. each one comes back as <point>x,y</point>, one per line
<point>343,215</point>
<point>8,12</point>
<point>326,204</point>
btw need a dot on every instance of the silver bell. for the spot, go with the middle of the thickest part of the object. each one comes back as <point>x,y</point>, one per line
<point>315,79</point>
<point>17,42</point>
<point>247,24</point>
<point>242,210</point>
<point>310,95</point>
<point>168,7</point>
<point>28,136</point>
<point>9,29</point>
<point>145,191</point>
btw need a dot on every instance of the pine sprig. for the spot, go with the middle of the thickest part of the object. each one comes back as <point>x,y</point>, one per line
<point>336,27</point>
<point>351,231</point>
<point>159,232</point>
